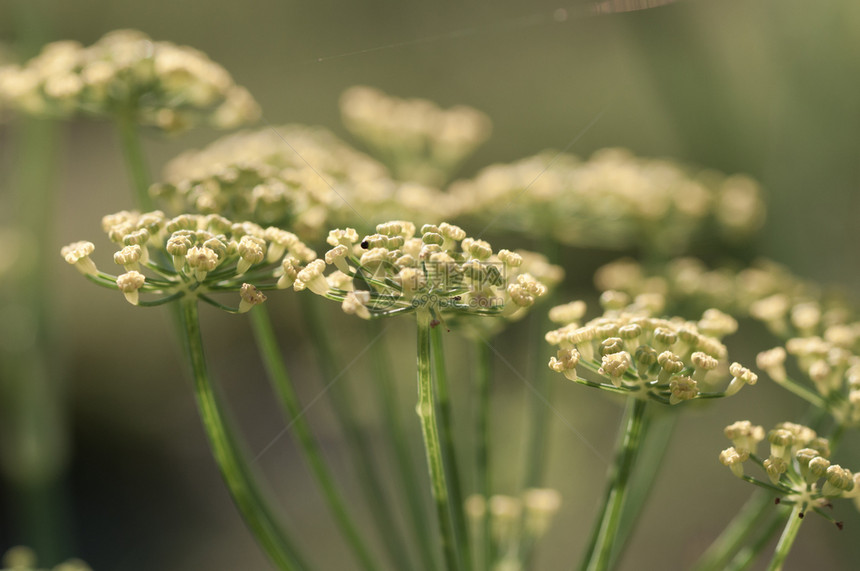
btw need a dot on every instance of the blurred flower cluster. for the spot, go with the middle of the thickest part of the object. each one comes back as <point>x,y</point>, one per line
<point>515,523</point>
<point>766,291</point>
<point>416,138</point>
<point>24,559</point>
<point>126,73</point>
<point>297,176</point>
<point>832,369</point>
<point>193,255</point>
<point>613,200</point>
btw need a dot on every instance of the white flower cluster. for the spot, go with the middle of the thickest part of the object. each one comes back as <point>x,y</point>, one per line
<point>420,141</point>
<point>194,255</point>
<point>439,270</point>
<point>665,360</point>
<point>125,72</point>
<point>613,200</point>
<point>798,465</point>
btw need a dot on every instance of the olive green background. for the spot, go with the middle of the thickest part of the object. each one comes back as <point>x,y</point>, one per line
<point>765,87</point>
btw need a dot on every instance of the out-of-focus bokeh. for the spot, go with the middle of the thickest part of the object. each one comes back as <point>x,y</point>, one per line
<point>762,87</point>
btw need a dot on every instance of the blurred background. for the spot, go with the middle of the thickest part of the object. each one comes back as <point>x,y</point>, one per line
<point>763,87</point>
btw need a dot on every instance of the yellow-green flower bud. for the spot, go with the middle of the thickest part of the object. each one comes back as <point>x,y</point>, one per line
<point>780,440</point>
<point>129,284</point>
<point>734,460</point>
<point>839,480</point>
<point>355,303</point>
<point>741,376</point>
<point>567,313</point>
<point>773,363</point>
<point>565,363</point>
<point>775,466</point>
<point>611,345</point>
<point>250,296</point>
<point>311,277</point>
<point>338,256</point>
<point>201,260</point>
<point>78,254</point>
<point>744,435</point>
<point>682,388</point>
<point>614,366</point>
<point>614,300</point>
<point>252,250</point>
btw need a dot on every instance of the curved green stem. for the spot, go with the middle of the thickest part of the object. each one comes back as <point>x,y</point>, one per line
<point>386,392</point>
<point>280,378</point>
<point>751,516</point>
<point>746,556</point>
<point>483,478</point>
<point>786,540</point>
<point>658,427</point>
<point>132,151</point>
<point>446,426</point>
<point>359,446</point>
<point>432,446</point>
<point>598,557</point>
<point>234,467</point>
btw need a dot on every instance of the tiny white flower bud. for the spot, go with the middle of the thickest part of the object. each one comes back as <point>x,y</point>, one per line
<point>129,284</point>
<point>250,296</point>
<point>78,254</point>
<point>741,376</point>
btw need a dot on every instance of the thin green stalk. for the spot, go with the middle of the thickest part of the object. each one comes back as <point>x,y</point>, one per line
<point>786,540</point>
<point>745,557</point>
<point>132,151</point>
<point>751,516</point>
<point>449,451</point>
<point>543,384</point>
<point>235,469</point>
<point>432,446</point>
<point>598,557</point>
<point>658,429</point>
<point>361,451</point>
<point>483,479</point>
<point>32,388</point>
<point>386,392</point>
<point>280,379</point>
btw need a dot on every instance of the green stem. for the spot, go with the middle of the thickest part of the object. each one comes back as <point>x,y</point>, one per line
<point>786,540</point>
<point>432,446</point>
<point>234,468</point>
<point>745,557</point>
<point>32,389</point>
<point>386,393</point>
<point>598,557</point>
<point>132,151</point>
<point>751,516</point>
<point>446,425</point>
<point>278,375</point>
<point>658,427</point>
<point>483,478</point>
<point>358,443</point>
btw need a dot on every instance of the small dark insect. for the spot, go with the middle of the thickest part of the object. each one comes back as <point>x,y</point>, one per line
<point>776,501</point>
<point>801,515</point>
<point>840,525</point>
<point>365,245</point>
<point>457,298</point>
